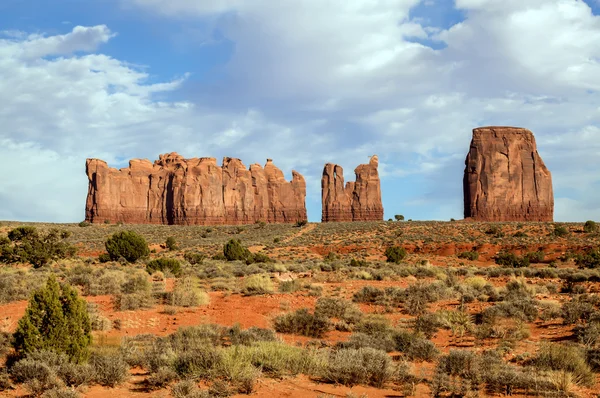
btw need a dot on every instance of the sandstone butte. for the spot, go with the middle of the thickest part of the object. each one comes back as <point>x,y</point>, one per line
<point>355,201</point>
<point>505,178</point>
<point>196,191</point>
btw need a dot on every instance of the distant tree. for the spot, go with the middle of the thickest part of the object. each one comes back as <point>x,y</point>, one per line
<point>395,254</point>
<point>56,319</point>
<point>127,244</point>
<point>590,227</point>
<point>234,250</point>
<point>399,217</point>
<point>27,245</point>
<point>171,243</point>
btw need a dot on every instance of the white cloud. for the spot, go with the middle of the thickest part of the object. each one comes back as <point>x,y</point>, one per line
<point>318,81</point>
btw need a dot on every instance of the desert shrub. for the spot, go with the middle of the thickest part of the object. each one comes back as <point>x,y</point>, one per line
<point>395,254</point>
<point>164,264</point>
<point>578,309</point>
<point>462,363</point>
<point>535,257</point>
<point>257,284</point>
<point>560,230</point>
<point>20,285</point>
<point>56,319</point>
<point>338,308</point>
<point>590,227</point>
<point>359,366</point>
<point>562,357</point>
<point>508,259</point>
<point>368,294</point>
<point>197,363</point>
<point>383,342</point>
<point>188,389</point>
<point>27,245</point>
<point>495,230</point>
<point>238,336</point>
<point>301,223</point>
<point>194,258</point>
<point>359,263</point>
<point>590,259</point>
<point>133,301</point>
<point>278,359</point>
<point>472,255</point>
<point>127,244</point>
<point>303,323</point>
<point>373,325</point>
<point>161,378</point>
<point>186,295</point>
<point>290,286</point>
<point>110,368</point>
<point>427,324</point>
<point>234,251</point>
<point>36,375</point>
<point>171,243</point>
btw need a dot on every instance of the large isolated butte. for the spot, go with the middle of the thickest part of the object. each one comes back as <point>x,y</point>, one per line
<point>505,177</point>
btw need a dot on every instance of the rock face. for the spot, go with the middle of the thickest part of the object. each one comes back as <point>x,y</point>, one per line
<point>355,201</point>
<point>174,190</point>
<point>505,178</point>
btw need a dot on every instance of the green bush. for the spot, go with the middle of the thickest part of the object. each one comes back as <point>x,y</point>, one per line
<point>26,245</point>
<point>564,357</point>
<point>359,263</point>
<point>188,389</point>
<point>395,254</point>
<point>164,264</point>
<point>234,251</point>
<point>472,255</point>
<point>590,227</point>
<point>535,257</point>
<point>127,244</point>
<point>171,243</point>
<point>56,319</point>
<point>301,223</point>
<point>560,231</point>
<point>303,323</point>
<point>591,259</point>
<point>194,258</point>
<point>508,259</point>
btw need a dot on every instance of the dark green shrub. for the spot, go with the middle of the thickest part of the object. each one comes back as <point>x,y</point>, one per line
<point>84,224</point>
<point>472,255</point>
<point>590,227</point>
<point>414,347</point>
<point>395,254</point>
<point>359,263</point>
<point>164,264</point>
<point>301,223</point>
<point>234,251</point>
<point>194,258</point>
<point>508,259</point>
<point>26,245</point>
<point>591,259</point>
<point>535,257</point>
<point>560,231</point>
<point>171,243</point>
<point>127,244</point>
<point>303,323</point>
<point>56,320</point>
<point>104,258</point>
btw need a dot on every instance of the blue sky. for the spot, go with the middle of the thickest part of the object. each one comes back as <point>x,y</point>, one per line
<point>304,83</point>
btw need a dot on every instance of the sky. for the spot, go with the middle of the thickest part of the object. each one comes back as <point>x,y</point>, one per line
<point>304,82</point>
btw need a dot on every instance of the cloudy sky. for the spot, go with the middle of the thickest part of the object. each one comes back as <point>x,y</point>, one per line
<point>304,82</point>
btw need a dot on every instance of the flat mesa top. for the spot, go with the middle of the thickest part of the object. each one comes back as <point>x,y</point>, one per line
<point>500,128</point>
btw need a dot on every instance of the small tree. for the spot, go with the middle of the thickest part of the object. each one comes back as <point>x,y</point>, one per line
<point>26,245</point>
<point>171,243</point>
<point>399,217</point>
<point>127,244</point>
<point>590,227</point>
<point>233,250</point>
<point>395,254</point>
<point>56,320</point>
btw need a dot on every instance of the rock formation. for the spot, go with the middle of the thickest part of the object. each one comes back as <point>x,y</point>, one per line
<point>174,190</point>
<point>356,201</point>
<point>505,178</point>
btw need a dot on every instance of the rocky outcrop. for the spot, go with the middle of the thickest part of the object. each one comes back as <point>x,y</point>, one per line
<point>355,201</point>
<point>505,178</point>
<point>174,190</point>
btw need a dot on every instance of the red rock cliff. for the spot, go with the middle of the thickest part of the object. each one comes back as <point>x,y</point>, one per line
<point>174,190</point>
<point>356,201</point>
<point>505,178</point>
